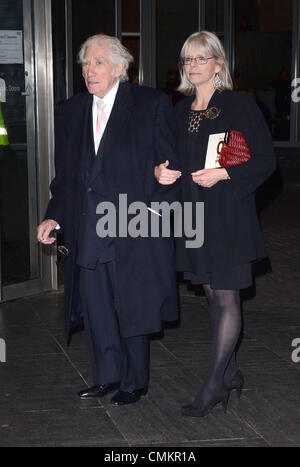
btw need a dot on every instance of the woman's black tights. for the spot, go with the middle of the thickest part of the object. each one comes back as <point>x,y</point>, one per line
<point>226,321</point>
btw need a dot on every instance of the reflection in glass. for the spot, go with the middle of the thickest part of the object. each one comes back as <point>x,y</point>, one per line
<point>176,20</point>
<point>59,52</point>
<point>17,159</point>
<point>214,16</point>
<point>131,16</point>
<point>89,17</point>
<point>132,43</point>
<point>263,59</point>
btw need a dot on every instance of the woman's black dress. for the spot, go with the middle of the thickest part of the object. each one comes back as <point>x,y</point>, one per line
<point>232,236</point>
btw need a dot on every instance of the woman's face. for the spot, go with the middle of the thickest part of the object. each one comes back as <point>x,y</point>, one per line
<point>200,74</point>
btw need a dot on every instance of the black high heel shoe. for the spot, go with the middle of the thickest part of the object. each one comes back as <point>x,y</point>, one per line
<point>194,411</point>
<point>237,383</point>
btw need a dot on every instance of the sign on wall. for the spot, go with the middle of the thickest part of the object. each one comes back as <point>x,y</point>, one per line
<point>11,47</point>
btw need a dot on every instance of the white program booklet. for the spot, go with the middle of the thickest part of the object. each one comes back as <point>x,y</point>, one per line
<point>212,157</point>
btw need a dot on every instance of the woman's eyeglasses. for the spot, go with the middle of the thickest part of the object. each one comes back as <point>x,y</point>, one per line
<point>197,60</point>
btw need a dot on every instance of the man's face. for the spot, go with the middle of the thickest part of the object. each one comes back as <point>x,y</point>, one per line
<point>99,73</point>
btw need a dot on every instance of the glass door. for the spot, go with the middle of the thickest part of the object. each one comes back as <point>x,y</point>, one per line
<point>18,174</point>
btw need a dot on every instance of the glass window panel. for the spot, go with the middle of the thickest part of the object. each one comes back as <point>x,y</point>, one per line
<point>89,17</point>
<point>176,20</point>
<point>214,16</point>
<point>18,212</point>
<point>263,59</point>
<point>131,16</point>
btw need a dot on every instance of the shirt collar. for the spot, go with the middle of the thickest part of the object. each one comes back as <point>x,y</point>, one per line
<point>109,98</point>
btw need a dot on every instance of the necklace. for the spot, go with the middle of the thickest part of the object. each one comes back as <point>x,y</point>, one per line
<point>195,117</point>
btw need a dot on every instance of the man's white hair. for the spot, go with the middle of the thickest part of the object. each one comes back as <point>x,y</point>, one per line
<point>118,53</point>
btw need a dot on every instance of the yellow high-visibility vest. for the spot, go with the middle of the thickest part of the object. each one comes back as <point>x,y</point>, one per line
<point>3,132</point>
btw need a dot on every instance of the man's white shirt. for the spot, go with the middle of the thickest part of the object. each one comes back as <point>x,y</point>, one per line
<point>108,100</point>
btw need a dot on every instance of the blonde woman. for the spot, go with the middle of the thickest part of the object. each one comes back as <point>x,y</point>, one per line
<point>232,237</point>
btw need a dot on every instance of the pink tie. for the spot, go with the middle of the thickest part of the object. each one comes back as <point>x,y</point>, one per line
<point>101,117</point>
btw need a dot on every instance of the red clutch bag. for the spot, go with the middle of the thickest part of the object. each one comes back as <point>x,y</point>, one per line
<point>234,150</point>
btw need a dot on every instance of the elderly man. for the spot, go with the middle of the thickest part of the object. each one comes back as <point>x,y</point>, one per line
<point>108,142</point>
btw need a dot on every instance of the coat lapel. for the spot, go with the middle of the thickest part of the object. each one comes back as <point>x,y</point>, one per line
<point>87,144</point>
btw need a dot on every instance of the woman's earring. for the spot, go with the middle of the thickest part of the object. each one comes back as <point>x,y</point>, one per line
<point>217,81</point>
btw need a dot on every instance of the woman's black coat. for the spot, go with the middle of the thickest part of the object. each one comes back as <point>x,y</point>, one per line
<point>232,234</point>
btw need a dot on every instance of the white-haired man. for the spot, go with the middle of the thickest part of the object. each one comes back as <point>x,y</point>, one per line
<point>108,142</point>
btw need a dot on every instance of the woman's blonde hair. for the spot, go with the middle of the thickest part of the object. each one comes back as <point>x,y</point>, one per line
<point>211,45</point>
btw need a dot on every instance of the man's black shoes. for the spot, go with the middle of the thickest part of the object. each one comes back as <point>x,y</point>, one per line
<point>98,391</point>
<point>120,398</point>
<point>124,398</point>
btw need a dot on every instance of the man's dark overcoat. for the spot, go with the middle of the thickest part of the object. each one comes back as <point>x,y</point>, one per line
<point>139,134</point>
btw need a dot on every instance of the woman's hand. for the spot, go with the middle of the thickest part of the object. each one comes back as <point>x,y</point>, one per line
<point>209,177</point>
<point>166,176</point>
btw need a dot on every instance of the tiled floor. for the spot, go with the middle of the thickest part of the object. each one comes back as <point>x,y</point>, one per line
<point>40,379</point>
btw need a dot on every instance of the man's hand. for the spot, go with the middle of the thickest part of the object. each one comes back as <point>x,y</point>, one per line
<point>166,176</point>
<point>44,230</point>
<point>209,177</point>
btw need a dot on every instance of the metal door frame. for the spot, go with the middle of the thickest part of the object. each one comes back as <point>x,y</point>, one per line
<point>45,128</point>
<point>38,66</point>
